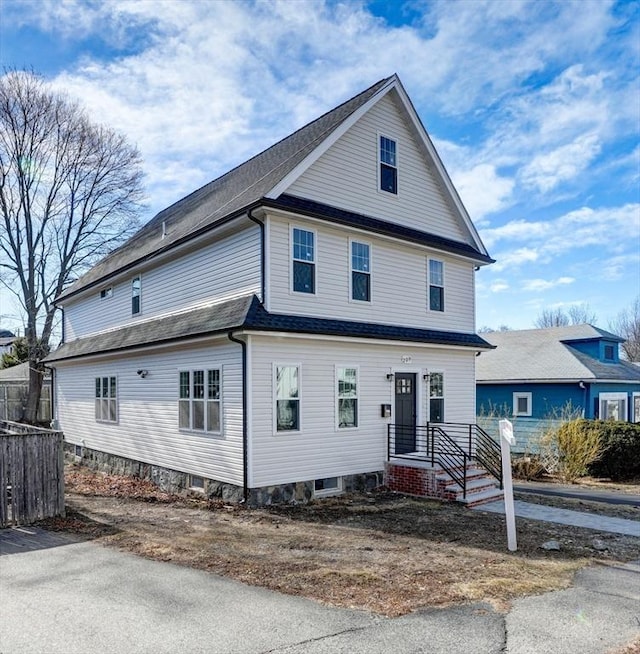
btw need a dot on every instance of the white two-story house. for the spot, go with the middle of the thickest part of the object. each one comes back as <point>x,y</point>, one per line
<point>287,329</point>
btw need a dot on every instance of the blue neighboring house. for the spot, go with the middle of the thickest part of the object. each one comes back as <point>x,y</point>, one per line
<point>534,373</point>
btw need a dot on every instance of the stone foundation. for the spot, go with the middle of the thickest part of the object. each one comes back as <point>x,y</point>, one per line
<point>173,481</point>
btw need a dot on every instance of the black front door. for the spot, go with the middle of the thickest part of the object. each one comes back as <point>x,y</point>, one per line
<point>405,412</point>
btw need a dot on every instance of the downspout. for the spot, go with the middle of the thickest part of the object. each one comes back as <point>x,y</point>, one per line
<point>245,460</point>
<point>263,255</point>
<point>62,329</point>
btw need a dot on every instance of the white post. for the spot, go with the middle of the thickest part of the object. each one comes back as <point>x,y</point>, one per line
<point>506,441</point>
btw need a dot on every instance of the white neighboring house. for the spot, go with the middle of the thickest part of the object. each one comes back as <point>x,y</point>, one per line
<point>285,330</point>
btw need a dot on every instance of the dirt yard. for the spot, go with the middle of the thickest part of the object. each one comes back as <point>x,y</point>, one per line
<point>380,552</point>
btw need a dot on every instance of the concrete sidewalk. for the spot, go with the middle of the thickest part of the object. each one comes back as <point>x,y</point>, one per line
<point>76,598</point>
<point>566,517</point>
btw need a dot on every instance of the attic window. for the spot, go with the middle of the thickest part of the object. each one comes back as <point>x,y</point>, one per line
<point>106,293</point>
<point>388,165</point>
<point>608,352</point>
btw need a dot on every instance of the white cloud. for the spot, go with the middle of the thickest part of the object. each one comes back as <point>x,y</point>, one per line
<point>514,258</point>
<point>482,190</point>
<point>537,285</point>
<point>499,286</point>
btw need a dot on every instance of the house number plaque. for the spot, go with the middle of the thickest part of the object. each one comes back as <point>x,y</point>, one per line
<point>405,359</point>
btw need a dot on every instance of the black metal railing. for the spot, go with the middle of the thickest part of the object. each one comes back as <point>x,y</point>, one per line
<point>451,445</point>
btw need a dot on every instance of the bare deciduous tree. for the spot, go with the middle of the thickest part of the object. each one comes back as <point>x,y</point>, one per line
<point>578,314</point>
<point>70,192</point>
<point>552,318</point>
<point>627,325</point>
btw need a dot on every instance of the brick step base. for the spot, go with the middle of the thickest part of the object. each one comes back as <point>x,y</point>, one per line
<point>423,480</point>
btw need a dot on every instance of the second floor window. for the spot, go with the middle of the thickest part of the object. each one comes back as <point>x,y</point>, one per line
<point>436,285</point>
<point>360,272</point>
<point>304,261</point>
<point>135,295</point>
<point>388,165</point>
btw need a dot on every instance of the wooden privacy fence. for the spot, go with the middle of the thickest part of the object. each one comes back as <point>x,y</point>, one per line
<point>31,473</point>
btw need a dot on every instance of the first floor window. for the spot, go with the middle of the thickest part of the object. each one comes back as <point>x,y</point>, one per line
<point>522,404</point>
<point>287,382</point>
<point>347,398</point>
<point>106,408</point>
<point>436,285</point>
<point>636,407</point>
<point>304,261</point>
<point>613,406</point>
<point>199,400</point>
<point>436,397</point>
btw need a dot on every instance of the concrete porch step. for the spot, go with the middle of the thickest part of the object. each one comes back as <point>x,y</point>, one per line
<point>484,497</point>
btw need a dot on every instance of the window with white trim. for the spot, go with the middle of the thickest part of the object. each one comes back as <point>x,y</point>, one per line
<point>199,400</point>
<point>303,260</point>
<point>106,401</point>
<point>360,271</point>
<point>522,404</point>
<point>287,392</point>
<point>327,486</point>
<point>347,396</point>
<point>613,406</point>
<point>436,397</point>
<point>136,292</point>
<point>106,293</point>
<point>388,163</point>
<point>635,415</point>
<point>436,285</point>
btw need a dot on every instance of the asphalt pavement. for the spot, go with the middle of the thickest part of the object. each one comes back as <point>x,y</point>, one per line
<point>576,492</point>
<point>58,596</point>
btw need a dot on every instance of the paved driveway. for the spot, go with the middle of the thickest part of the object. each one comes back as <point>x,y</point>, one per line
<point>67,597</point>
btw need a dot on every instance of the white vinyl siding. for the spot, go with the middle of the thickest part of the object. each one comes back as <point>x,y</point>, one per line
<point>227,268</point>
<point>320,450</point>
<point>147,428</point>
<point>346,176</point>
<point>397,266</point>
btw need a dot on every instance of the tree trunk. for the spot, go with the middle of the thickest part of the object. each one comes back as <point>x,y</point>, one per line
<point>36,374</point>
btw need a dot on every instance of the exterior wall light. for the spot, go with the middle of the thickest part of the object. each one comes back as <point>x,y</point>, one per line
<point>389,376</point>
<point>143,373</point>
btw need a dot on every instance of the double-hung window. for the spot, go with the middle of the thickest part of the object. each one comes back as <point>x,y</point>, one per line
<point>347,379</point>
<point>136,291</point>
<point>303,260</point>
<point>388,162</point>
<point>360,271</point>
<point>199,400</point>
<point>287,392</point>
<point>436,285</point>
<point>106,402</point>
<point>436,397</point>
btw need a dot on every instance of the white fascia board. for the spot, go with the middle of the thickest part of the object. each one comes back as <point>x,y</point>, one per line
<point>359,339</point>
<point>313,156</point>
<point>141,350</point>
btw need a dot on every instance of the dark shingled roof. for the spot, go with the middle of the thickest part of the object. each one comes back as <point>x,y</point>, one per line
<point>621,371</point>
<point>226,196</point>
<point>247,313</point>
<point>342,217</point>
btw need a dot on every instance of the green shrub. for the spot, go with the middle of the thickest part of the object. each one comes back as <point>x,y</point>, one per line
<point>578,444</point>
<point>621,457</point>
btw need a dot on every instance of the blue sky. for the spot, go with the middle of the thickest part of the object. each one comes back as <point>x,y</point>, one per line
<point>534,108</point>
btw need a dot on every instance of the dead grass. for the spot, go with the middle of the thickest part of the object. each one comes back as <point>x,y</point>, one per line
<point>382,552</point>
